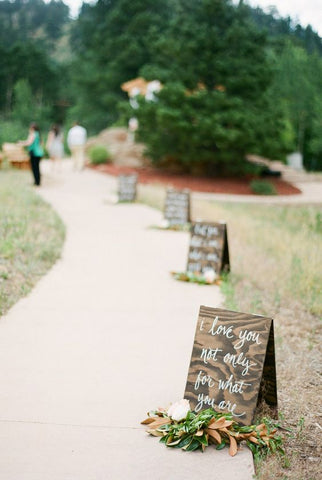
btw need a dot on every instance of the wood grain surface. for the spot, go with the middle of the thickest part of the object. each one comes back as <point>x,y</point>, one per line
<point>208,248</point>
<point>127,188</point>
<point>227,363</point>
<point>177,207</point>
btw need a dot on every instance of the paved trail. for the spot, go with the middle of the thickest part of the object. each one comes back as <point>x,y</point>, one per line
<point>103,338</point>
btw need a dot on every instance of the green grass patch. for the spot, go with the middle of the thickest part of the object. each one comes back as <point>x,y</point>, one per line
<point>99,154</point>
<point>262,187</point>
<point>31,237</point>
<point>275,253</point>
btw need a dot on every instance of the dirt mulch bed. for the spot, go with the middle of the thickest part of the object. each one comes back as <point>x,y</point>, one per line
<point>239,186</point>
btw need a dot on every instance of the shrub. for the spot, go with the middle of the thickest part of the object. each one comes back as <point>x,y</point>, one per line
<point>99,154</point>
<point>208,128</point>
<point>262,187</point>
<point>12,131</point>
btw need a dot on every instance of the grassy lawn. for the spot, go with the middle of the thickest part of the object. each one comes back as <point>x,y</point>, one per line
<point>276,258</point>
<point>31,237</point>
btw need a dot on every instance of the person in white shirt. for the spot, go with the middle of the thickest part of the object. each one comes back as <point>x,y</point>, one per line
<point>76,140</point>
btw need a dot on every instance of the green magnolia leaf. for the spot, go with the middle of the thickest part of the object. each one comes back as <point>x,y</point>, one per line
<point>169,439</point>
<point>188,444</point>
<point>174,443</point>
<point>252,447</point>
<point>194,445</point>
<point>221,446</point>
<point>165,427</point>
<point>262,442</point>
<point>203,439</point>
<point>185,441</point>
<point>245,429</point>
<point>197,430</point>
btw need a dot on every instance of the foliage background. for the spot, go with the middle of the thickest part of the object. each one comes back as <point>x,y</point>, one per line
<point>55,69</point>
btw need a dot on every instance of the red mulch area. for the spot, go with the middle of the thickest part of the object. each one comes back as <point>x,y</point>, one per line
<point>238,186</point>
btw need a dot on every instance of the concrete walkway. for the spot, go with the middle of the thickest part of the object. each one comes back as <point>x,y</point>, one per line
<point>103,338</point>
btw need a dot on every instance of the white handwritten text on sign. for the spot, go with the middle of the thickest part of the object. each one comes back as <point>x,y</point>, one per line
<point>227,362</point>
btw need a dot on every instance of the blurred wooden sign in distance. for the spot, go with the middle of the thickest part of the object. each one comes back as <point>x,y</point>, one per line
<point>127,187</point>
<point>232,366</point>
<point>208,248</point>
<point>177,207</point>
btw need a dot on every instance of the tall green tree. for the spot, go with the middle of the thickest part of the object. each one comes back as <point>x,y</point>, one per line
<point>113,39</point>
<point>236,79</point>
<point>32,19</point>
<point>280,29</point>
<point>26,61</point>
<point>30,31</point>
<point>26,107</point>
<point>215,107</point>
<point>297,87</point>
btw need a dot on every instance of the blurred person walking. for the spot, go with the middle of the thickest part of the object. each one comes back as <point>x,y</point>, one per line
<point>76,140</point>
<point>35,150</point>
<point>55,145</point>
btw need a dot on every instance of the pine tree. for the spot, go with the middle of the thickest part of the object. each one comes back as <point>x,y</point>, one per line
<point>216,71</point>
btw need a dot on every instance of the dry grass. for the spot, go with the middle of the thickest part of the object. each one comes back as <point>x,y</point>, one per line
<point>276,271</point>
<point>31,237</point>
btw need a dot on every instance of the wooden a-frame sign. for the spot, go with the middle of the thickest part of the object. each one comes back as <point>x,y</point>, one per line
<point>232,366</point>
<point>127,187</point>
<point>177,207</point>
<point>208,248</point>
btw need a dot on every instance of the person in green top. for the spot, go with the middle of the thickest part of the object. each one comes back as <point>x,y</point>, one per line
<point>35,151</point>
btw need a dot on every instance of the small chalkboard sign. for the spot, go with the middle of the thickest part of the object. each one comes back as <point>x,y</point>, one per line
<point>127,188</point>
<point>232,365</point>
<point>208,248</point>
<point>177,207</point>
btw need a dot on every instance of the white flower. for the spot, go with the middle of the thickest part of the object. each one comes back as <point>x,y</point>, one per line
<point>179,410</point>
<point>210,275</point>
<point>164,223</point>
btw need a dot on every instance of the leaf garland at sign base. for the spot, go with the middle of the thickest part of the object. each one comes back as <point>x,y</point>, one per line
<point>165,225</point>
<point>179,427</point>
<point>232,370</point>
<point>208,278</point>
<point>208,255</point>
<point>127,188</point>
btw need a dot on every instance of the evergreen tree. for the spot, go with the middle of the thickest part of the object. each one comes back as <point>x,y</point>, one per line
<point>32,19</point>
<point>29,31</point>
<point>214,108</point>
<point>26,61</point>
<point>112,53</point>
<point>297,88</point>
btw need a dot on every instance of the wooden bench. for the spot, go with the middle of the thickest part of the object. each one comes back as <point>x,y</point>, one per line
<point>16,155</point>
